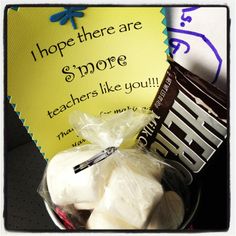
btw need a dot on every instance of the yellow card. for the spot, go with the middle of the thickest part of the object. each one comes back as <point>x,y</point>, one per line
<point>100,60</point>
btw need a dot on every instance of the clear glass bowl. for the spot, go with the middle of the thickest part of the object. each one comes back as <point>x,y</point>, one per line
<point>172,180</point>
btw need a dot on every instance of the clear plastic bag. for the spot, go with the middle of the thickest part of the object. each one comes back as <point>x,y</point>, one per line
<point>103,185</point>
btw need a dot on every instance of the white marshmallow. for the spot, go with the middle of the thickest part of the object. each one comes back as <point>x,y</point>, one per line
<point>130,197</point>
<point>105,220</point>
<point>142,163</point>
<point>85,187</point>
<point>85,205</point>
<point>169,213</point>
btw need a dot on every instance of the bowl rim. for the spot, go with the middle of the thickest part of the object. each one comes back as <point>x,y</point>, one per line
<point>54,217</point>
<point>193,211</point>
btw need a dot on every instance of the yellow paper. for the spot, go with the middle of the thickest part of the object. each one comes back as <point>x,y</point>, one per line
<point>114,60</point>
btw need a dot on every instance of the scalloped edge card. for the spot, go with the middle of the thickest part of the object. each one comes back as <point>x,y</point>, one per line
<point>100,60</point>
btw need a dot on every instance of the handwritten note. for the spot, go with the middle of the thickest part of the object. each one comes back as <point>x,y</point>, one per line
<point>198,41</point>
<point>110,60</point>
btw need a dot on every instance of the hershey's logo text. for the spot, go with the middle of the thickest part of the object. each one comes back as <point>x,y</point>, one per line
<point>188,132</point>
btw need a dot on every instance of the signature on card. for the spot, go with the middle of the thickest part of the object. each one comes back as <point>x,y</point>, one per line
<point>177,43</point>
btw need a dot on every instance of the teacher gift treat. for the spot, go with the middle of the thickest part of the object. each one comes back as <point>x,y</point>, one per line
<point>110,184</point>
<point>190,125</point>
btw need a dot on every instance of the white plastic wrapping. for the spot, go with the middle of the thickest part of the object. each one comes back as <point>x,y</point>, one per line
<point>118,189</point>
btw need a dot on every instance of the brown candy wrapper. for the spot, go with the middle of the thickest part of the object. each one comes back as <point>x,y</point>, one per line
<point>190,124</point>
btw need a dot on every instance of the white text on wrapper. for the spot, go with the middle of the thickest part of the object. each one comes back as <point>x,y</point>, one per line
<point>198,128</point>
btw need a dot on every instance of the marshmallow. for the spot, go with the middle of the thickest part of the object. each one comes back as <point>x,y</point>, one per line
<point>129,197</point>
<point>169,213</point>
<point>142,163</point>
<point>85,205</point>
<point>85,187</point>
<point>105,220</point>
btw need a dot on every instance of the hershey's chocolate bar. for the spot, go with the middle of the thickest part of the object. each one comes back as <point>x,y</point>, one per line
<point>190,123</point>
